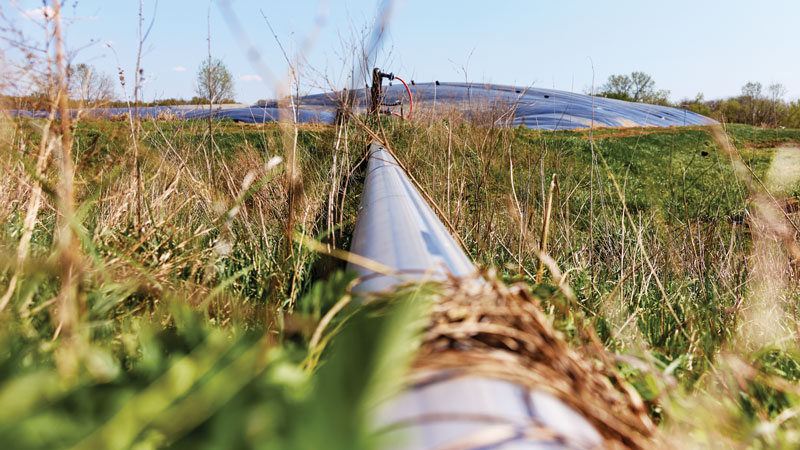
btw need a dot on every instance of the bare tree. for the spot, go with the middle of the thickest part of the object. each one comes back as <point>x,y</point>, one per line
<point>214,82</point>
<point>90,86</point>
<point>776,105</point>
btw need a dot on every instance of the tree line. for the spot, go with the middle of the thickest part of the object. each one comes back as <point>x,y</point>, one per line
<point>756,105</point>
<point>89,87</point>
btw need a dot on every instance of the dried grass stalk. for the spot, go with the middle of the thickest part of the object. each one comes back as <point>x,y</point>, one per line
<point>498,331</point>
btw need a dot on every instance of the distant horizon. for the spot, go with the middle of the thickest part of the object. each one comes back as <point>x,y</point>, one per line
<point>687,48</point>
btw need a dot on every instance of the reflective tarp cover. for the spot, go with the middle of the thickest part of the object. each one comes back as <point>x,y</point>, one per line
<point>504,105</point>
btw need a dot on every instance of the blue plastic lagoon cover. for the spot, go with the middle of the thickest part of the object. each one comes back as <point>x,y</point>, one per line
<point>532,107</point>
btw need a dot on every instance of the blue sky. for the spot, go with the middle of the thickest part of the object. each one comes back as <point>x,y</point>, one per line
<point>713,47</point>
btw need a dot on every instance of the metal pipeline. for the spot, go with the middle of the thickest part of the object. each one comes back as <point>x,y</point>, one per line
<point>398,229</point>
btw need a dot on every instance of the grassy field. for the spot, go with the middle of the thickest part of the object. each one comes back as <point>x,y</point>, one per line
<point>197,293</point>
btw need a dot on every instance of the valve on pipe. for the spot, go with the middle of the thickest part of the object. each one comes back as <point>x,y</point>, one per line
<point>377,95</point>
<point>376,92</point>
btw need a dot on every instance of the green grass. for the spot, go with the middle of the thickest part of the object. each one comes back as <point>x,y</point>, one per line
<point>201,318</point>
<point>679,203</point>
<point>759,137</point>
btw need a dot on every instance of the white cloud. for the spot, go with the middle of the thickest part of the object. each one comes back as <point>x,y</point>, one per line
<point>179,69</point>
<point>39,13</point>
<point>250,77</point>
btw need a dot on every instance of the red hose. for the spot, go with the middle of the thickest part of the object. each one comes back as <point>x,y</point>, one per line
<point>410,99</point>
